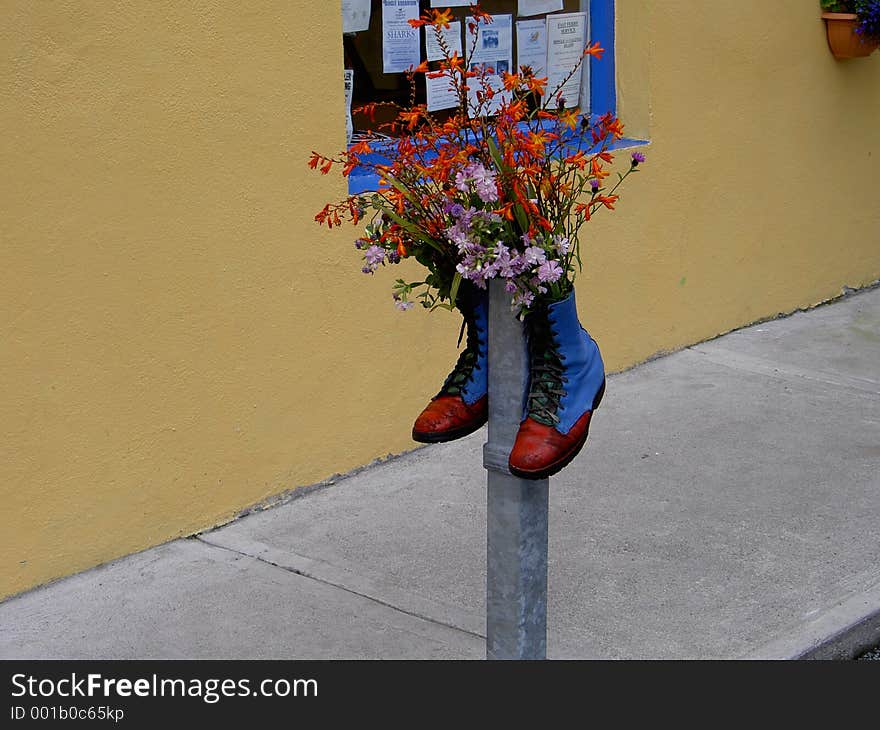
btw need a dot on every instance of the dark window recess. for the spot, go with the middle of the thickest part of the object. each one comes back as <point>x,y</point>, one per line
<point>363,54</point>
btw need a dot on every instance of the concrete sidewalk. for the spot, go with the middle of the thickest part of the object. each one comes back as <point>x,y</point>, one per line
<point>726,506</point>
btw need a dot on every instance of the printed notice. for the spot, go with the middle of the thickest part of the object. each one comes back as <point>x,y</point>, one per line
<point>400,41</point>
<point>451,3</point>
<point>355,15</point>
<point>494,48</point>
<point>349,90</point>
<point>537,7</point>
<point>566,38</point>
<point>451,36</point>
<point>531,45</point>
<point>440,93</point>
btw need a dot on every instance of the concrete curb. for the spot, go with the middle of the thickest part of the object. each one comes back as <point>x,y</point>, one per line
<point>844,631</point>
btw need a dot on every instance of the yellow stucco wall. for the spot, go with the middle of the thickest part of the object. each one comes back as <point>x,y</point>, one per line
<point>180,340</point>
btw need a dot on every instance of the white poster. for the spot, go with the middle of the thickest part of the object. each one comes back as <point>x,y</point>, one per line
<point>355,15</point>
<point>566,38</point>
<point>349,91</point>
<point>451,3</point>
<point>494,46</point>
<point>451,36</point>
<point>531,45</point>
<point>400,41</point>
<point>441,93</point>
<point>537,7</point>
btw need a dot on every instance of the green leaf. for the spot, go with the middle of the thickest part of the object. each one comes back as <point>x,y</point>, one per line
<point>411,229</point>
<point>521,217</point>
<point>443,305</point>
<point>453,291</point>
<point>494,152</point>
<point>400,186</point>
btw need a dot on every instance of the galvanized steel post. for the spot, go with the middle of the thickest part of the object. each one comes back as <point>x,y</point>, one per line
<point>517,514</point>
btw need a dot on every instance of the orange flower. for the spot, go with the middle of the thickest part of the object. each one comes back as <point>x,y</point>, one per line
<point>595,51</point>
<point>578,160</point>
<point>442,18</point>
<point>455,62</point>
<point>505,211</point>
<point>569,117</point>
<point>511,81</point>
<point>607,200</point>
<point>596,170</point>
<point>516,111</point>
<point>411,118</point>
<point>537,85</point>
<point>362,148</point>
<point>537,140</point>
<point>479,13</point>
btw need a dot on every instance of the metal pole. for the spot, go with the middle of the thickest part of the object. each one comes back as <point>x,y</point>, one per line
<point>516,535</point>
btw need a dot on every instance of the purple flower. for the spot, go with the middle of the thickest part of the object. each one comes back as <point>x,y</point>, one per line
<point>549,271</point>
<point>535,255</point>
<point>637,158</point>
<point>482,179</point>
<point>487,190</point>
<point>523,299</point>
<point>594,184</point>
<point>374,256</point>
<point>403,306</point>
<point>456,210</point>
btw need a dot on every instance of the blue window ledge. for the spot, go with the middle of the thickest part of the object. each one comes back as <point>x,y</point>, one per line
<point>364,180</point>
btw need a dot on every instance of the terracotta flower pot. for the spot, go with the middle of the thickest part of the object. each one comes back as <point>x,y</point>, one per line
<point>842,37</point>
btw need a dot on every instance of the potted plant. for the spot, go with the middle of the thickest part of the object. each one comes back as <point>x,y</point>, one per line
<point>500,190</point>
<point>853,26</point>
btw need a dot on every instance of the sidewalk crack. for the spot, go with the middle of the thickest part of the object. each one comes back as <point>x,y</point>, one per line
<point>341,586</point>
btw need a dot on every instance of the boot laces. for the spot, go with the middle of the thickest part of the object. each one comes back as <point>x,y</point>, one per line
<point>546,375</point>
<point>467,361</point>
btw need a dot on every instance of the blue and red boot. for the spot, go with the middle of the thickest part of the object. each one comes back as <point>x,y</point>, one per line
<point>462,405</point>
<point>566,384</point>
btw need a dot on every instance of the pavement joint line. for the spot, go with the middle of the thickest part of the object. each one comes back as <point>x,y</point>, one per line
<point>451,617</point>
<point>775,369</point>
<point>843,631</point>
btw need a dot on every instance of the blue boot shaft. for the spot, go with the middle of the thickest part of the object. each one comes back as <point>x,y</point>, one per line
<point>566,371</point>
<point>469,378</point>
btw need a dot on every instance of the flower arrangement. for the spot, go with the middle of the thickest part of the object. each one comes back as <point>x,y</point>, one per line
<point>499,189</point>
<point>867,12</point>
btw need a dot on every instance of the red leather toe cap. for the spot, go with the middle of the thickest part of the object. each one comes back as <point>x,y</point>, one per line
<point>448,417</point>
<point>540,451</point>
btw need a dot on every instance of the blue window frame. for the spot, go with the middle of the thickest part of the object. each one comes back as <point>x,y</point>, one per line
<point>602,84</point>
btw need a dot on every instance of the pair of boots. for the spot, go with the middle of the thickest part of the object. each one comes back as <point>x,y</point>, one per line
<point>566,384</point>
